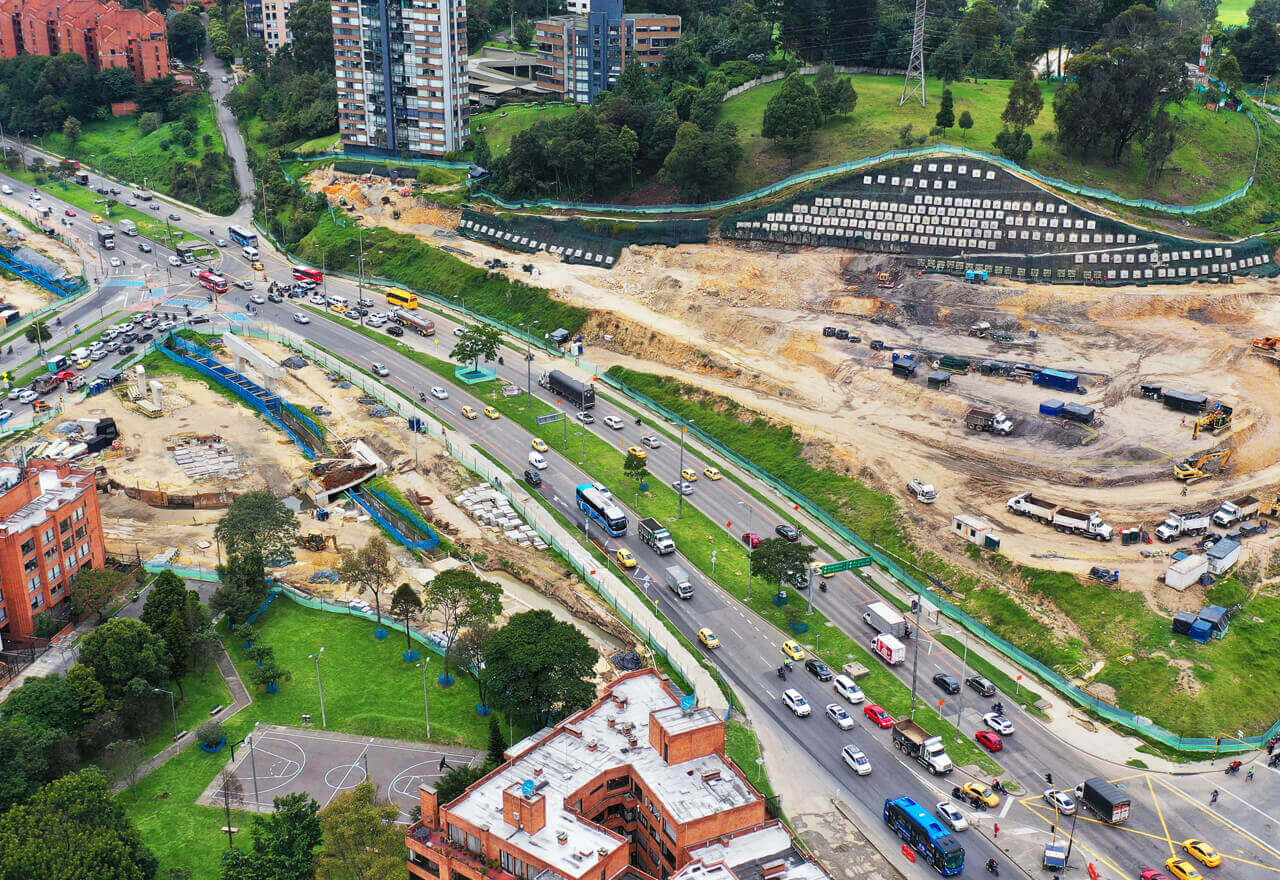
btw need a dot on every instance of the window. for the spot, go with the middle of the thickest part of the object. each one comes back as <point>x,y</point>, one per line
<point>512,865</point>
<point>68,542</point>
<point>28,546</point>
<point>425,863</point>
<point>82,532</point>
<point>618,783</point>
<point>669,830</point>
<point>55,570</point>
<point>65,525</point>
<point>49,536</point>
<point>84,551</point>
<point>30,565</point>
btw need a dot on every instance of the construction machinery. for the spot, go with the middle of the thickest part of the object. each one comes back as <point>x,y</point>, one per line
<point>1215,421</point>
<point>884,279</point>
<point>318,542</point>
<point>1266,343</point>
<point>1192,470</point>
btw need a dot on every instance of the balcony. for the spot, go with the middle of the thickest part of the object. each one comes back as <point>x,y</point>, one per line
<point>460,860</point>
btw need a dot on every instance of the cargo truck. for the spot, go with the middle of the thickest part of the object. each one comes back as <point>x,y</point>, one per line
<point>580,394</point>
<point>1061,518</point>
<point>1232,512</point>
<point>678,582</point>
<point>1057,379</point>
<point>889,649</point>
<point>1105,799</point>
<point>1181,523</point>
<point>46,383</point>
<point>918,743</point>
<point>884,619</point>
<point>953,364</point>
<point>991,421</point>
<point>128,227</point>
<point>656,536</point>
<point>82,178</point>
<point>107,238</point>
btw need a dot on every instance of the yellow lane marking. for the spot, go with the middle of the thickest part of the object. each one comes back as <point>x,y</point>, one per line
<point>1160,813</point>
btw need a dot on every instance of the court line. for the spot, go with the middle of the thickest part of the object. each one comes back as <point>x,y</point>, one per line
<point>354,764</point>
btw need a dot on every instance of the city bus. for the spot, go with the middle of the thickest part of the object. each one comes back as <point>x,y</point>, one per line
<point>402,299</point>
<point>926,834</point>
<point>208,280</point>
<point>243,237</point>
<point>302,273</point>
<point>597,502</point>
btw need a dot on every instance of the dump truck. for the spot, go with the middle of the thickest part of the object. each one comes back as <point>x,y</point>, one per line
<point>1061,518</point>
<point>918,743</point>
<point>46,383</point>
<point>656,536</point>
<point>678,581</point>
<point>1181,523</point>
<point>1105,799</point>
<point>580,394</point>
<point>991,421</point>
<point>1232,512</point>
<point>884,619</point>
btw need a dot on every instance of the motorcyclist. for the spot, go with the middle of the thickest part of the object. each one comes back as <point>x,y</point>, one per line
<point>992,867</point>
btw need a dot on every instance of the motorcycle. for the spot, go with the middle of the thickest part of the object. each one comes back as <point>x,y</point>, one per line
<point>992,867</point>
<point>998,708</point>
<point>637,420</point>
<point>1233,768</point>
<point>822,585</point>
<point>782,672</point>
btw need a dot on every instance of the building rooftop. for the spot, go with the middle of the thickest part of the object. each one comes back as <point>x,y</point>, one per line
<point>611,734</point>
<point>53,491</point>
<point>764,851</point>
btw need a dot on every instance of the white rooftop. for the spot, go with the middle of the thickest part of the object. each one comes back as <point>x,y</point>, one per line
<point>747,854</point>
<point>566,762</point>
<point>54,492</point>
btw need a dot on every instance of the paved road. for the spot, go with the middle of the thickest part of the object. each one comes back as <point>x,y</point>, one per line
<point>230,130</point>
<point>1165,809</point>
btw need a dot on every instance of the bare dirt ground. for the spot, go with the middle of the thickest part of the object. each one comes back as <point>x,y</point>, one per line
<point>23,295</point>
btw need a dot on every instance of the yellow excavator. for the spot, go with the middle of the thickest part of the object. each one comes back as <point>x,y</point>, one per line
<point>1215,421</point>
<point>1192,469</point>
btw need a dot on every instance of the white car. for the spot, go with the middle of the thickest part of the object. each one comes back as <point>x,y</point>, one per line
<point>115,262</point>
<point>1063,802</point>
<point>857,761</point>
<point>585,417</point>
<point>653,441</point>
<point>682,487</point>
<point>174,261</point>
<point>317,300</point>
<point>951,815</point>
<point>380,369</point>
<point>536,460</point>
<point>299,318</point>
<point>244,283</point>
<point>35,195</point>
<point>378,316</point>
<point>5,415</point>
<point>613,422</point>
<point>846,688</point>
<point>998,723</point>
<point>165,326</point>
<point>375,322</point>
<point>439,393</point>
<point>6,189</point>
<point>27,396</point>
<point>16,391</point>
<point>258,299</point>
<point>795,701</point>
<point>97,355</point>
<point>839,716</point>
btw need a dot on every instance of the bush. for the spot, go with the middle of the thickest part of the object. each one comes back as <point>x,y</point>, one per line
<point>210,734</point>
<point>1227,592</point>
<point>45,626</point>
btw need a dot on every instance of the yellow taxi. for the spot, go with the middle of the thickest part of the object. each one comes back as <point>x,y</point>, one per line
<point>690,475</point>
<point>817,570</point>
<point>637,451</point>
<point>1181,869</point>
<point>538,444</point>
<point>492,413</point>
<point>338,307</point>
<point>95,219</point>
<point>711,473</point>
<point>84,364</point>
<point>469,413</point>
<point>626,558</point>
<point>982,792</point>
<point>708,638</point>
<point>256,265</point>
<point>1203,852</point>
<point>793,650</point>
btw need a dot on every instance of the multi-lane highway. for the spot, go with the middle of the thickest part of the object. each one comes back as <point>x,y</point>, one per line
<point>1166,809</point>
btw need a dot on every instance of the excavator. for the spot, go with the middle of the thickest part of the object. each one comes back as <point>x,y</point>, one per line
<point>1216,420</point>
<point>1266,343</point>
<point>1192,469</point>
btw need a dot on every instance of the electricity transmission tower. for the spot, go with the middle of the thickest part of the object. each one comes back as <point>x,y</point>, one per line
<point>915,69</point>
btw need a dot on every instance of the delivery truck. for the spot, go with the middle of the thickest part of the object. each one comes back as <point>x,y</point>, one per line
<point>580,394</point>
<point>1104,799</point>
<point>656,536</point>
<point>991,421</point>
<point>678,581</point>
<point>128,227</point>
<point>928,750</point>
<point>889,649</point>
<point>106,238</point>
<point>884,619</point>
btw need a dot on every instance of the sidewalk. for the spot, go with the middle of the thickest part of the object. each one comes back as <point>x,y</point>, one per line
<point>55,661</point>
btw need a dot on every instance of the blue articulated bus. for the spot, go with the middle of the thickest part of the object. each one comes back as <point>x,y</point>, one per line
<point>926,834</point>
<point>597,502</point>
<point>241,236</point>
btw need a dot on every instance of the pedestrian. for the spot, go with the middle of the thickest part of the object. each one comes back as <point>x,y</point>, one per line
<point>995,830</point>
<point>1248,777</point>
<point>1213,798</point>
<point>444,763</point>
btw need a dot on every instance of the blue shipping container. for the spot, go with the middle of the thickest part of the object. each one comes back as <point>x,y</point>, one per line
<point>1051,408</point>
<point>1201,631</point>
<point>1057,379</point>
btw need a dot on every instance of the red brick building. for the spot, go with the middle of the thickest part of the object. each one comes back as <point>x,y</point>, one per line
<point>50,527</point>
<point>634,787</point>
<point>105,34</point>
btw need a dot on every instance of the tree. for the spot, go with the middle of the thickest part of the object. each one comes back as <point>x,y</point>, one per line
<point>370,569</point>
<point>39,330</point>
<point>628,150</point>
<point>242,588</point>
<point>965,122</point>
<point>778,558</point>
<point>836,95</point>
<point>497,742</point>
<point>792,115</point>
<point>1229,72</point>
<point>117,84</point>
<point>702,164</point>
<point>93,589</point>
<point>168,594</point>
<point>947,61</point>
<point>311,27</point>
<point>73,827</point>
<point>362,840</point>
<point>468,655</point>
<point>1025,102</point>
<point>88,690</point>
<point>269,673</point>
<point>455,782</point>
<point>1158,144</point>
<point>125,655</point>
<point>49,700</point>
<point>25,754</point>
<point>456,599</point>
<point>284,842</point>
<point>480,152</point>
<point>540,668</point>
<point>523,33</point>
<point>123,759</point>
<point>229,790</point>
<point>475,343</point>
<point>1013,144</point>
<point>635,467</point>
<point>186,36</point>
<point>946,117</point>
<point>71,129</point>
<point>177,642</point>
<point>404,604</point>
<point>259,521</point>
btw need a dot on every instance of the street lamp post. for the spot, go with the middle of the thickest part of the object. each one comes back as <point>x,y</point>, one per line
<point>173,707</point>
<point>324,721</point>
<point>253,764</point>
<point>426,697</point>
<point>680,480</point>
<point>749,511</point>
<point>915,656</point>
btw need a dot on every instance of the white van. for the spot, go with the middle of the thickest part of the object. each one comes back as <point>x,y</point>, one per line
<point>79,354</point>
<point>536,460</point>
<point>847,688</point>
<point>249,252</point>
<point>336,300</point>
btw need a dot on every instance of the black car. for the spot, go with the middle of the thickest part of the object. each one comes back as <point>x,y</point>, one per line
<point>947,682</point>
<point>981,685</point>
<point>532,477</point>
<point>788,531</point>
<point>145,337</point>
<point>395,330</point>
<point>129,337</point>
<point>125,349</point>
<point>820,670</point>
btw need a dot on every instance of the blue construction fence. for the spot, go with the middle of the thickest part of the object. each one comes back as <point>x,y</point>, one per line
<point>1137,724</point>
<point>409,518</point>
<point>30,270</point>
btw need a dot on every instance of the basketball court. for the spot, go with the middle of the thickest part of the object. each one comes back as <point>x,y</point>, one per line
<point>323,764</point>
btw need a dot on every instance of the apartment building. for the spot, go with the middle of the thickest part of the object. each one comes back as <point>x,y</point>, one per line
<point>50,526</point>
<point>636,787</point>
<point>401,68</point>
<point>105,34</point>
<point>581,56</point>
<point>269,21</point>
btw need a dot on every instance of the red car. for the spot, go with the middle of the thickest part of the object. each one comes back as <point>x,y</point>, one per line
<point>990,739</point>
<point>878,715</point>
<point>69,212</point>
<point>64,375</point>
<point>1153,874</point>
<point>751,539</point>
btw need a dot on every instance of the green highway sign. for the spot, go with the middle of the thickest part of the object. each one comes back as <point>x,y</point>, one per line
<point>552,417</point>
<point>846,565</point>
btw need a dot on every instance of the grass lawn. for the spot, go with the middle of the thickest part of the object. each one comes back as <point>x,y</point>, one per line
<point>368,690</point>
<point>1214,156</point>
<point>744,749</point>
<point>503,124</point>
<point>118,148</point>
<point>1234,12</point>
<point>202,692</point>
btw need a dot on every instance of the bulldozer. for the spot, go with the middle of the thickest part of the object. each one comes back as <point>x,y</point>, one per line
<point>318,542</point>
<point>1215,421</point>
<point>1192,469</point>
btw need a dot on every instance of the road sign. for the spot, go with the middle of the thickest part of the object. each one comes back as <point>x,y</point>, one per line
<point>551,417</point>
<point>846,565</point>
